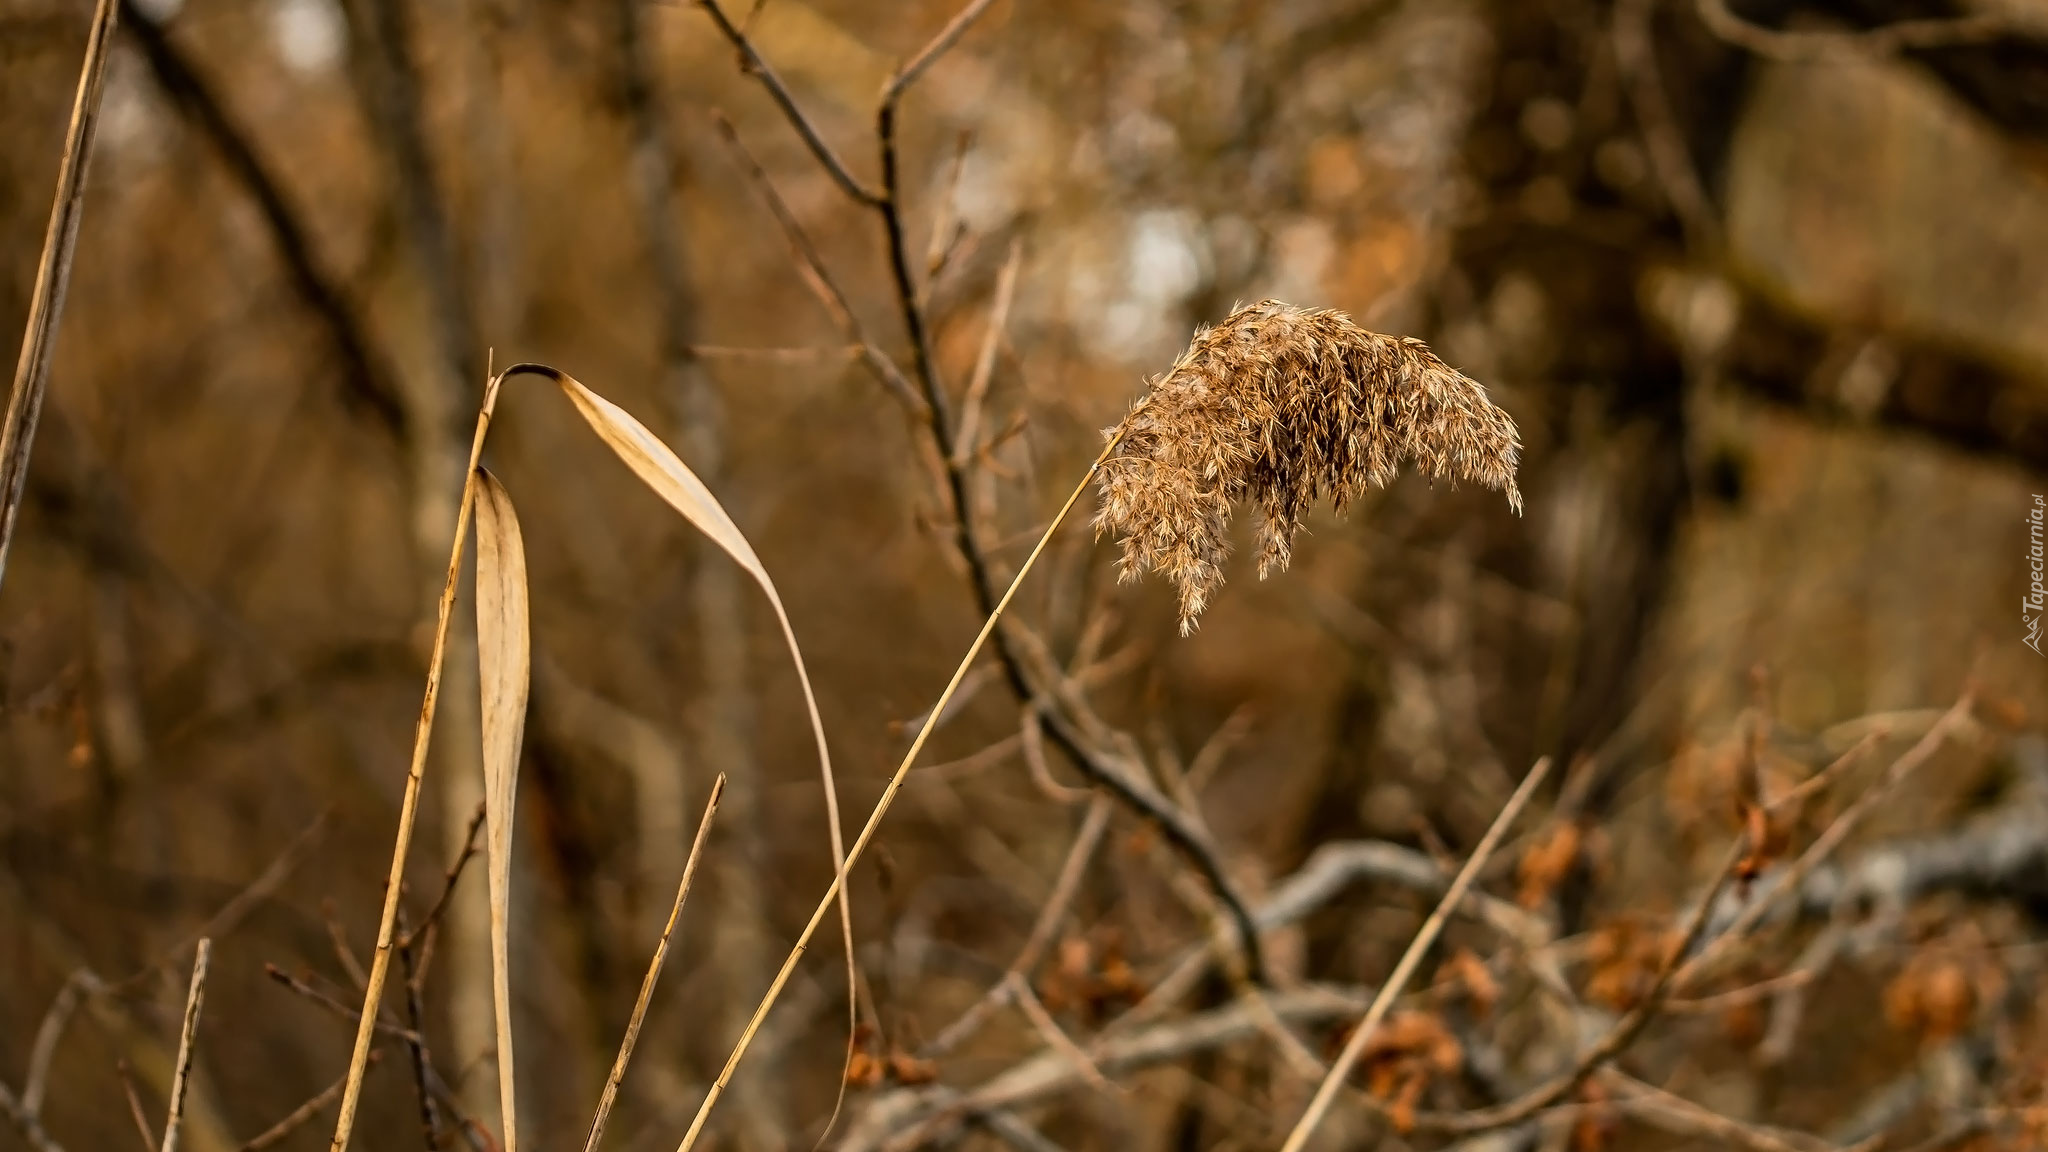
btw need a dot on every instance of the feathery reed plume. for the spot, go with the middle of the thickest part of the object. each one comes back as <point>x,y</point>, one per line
<point>1279,406</point>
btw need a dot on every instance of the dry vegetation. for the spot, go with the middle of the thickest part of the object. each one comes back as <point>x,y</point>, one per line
<point>1771,881</point>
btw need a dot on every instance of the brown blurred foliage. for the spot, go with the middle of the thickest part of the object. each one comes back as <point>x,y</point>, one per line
<point>1759,281</point>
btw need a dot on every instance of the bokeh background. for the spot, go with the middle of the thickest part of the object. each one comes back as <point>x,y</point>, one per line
<point>1765,292</point>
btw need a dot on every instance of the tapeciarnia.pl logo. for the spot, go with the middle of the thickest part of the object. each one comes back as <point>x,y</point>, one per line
<point>2037,596</point>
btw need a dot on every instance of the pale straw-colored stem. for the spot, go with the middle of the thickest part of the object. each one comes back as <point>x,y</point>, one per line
<point>882,806</point>
<point>380,961</point>
<point>188,1045</point>
<point>618,1075</point>
<point>1326,1092</point>
<point>53,274</point>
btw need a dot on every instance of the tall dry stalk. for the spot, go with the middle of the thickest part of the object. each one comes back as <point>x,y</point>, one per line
<point>1279,406</point>
<point>408,808</point>
<point>867,832</point>
<point>639,1014</point>
<point>53,276</point>
<point>1411,959</point>
<point>505,672</point>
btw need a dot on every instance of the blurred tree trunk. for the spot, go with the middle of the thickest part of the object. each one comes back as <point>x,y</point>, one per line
<point>722,715</point>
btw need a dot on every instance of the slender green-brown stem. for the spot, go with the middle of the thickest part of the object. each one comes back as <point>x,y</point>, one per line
<point>380,961</point>
<point>867,833</point>
<point>612,1082</point>
<point>1404,971</point>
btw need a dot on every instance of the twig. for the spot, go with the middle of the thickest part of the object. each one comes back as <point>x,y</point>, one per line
<point>339,1009</point>
<point>55,1021</point>
<point>806,354</point>
<point>1819,781</point>
<point>618,1073</point>
<point>935,48</point>
<point>1612,1044</point>
<point>964,440</point>
<point>449,878</point>
<point>1032,729</point>
<point>364,382</point>
<point>1680,1116</point>
<point>276,1133</point>
<point>909,1119</point>
<point>188,1044</point>
<point>1329,871</point>
<point>337,937</point>
<point>753,62</point>
<point>1100,764</point>
<point>1736,997</point>
<point>1093,825</point>
<point>53,276</point>
<point>27,1123</point>
<point>415,1019</point>
<point>135,1112</point>
<point>1884,40</point>
<point>470,1131</point>
<point>812,267</point>
<point>1054,1036</point>
<point>1831,837</point>
<point>232,913</point>
<point>1404,970</point>
<point>1635,51</point>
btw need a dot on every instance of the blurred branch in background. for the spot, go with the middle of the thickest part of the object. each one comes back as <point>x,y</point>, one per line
<point>1758,281</point>
<point>721,710</point>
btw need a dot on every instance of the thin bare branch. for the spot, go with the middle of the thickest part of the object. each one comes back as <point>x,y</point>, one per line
<point>448,878</point>
<point>965,439</point>
<point>415,1017</point>
<point>1884,40</point>
<point>135,1111</point>
<point>1612,1044</point>
<point>752,61</point>
<point>937,47</point>
<point>1054,1036</point>
<point>1404,970</point>
<point>76,986</point>
<point>1677,1115</point>
<point>812,267</point>
<point>1831,838</point>
<point>26,1123</point>
<point>298,1117</point>
<point>365,383</point>
<point>881,809</point>
<point>340,1010</point>
<point>910,1118</point>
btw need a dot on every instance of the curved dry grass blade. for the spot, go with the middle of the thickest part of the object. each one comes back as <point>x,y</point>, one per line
<point>504,667</point>
<point>867,832</point>
<point>660,469</point>
<point>611,1084</point>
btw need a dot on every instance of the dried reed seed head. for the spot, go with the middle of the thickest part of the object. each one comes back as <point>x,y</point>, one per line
<point>1278,406</point>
